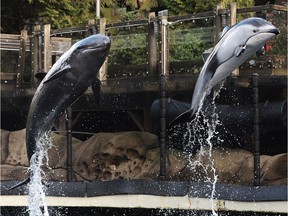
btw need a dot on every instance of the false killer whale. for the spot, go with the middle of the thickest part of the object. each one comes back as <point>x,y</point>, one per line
<point>235,46</point>
<point>65,82</point>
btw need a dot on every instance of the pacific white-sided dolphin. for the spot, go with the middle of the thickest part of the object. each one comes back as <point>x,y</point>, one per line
<point>235,46</point>
<point>65,82</point>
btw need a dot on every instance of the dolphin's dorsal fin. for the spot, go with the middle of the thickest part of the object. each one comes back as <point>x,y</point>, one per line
<point>239,50</point>
<point>59,73</point>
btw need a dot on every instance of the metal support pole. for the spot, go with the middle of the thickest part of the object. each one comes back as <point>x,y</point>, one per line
<point>163,151</point>
<point>69,144</point>
<point>256,130</point>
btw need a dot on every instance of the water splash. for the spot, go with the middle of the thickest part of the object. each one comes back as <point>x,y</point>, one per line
<point>36,201</point>
<point>202,135</point>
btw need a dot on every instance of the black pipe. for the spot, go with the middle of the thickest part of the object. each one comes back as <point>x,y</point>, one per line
<point>272,114</point>
<point>69,144</point>
<point>163,152</point>
<point>256,128</point>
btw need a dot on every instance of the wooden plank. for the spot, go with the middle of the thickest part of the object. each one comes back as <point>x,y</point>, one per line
<point>232,8</point>
<point>60,45</point>
<point>152,44</point>
<point>35,53</point>
<point>22,56</point>
<point>47,60</point>
<point>262,8</point>
<point>103,72</point>
<point>8,76</point>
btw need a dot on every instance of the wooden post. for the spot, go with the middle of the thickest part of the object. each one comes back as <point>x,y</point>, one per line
<point>218,23</point>
<point>232,13</point>
<point>103,72</point>
<point>35,53</point>
<point>47,58</point>
<point>91,27</point>
<point>152,44</point>
<point>102,26</point>
<point>22,57</point>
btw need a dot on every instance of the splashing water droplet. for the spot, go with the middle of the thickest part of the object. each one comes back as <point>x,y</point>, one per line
<point>202,135</point>
<point>37,205</point>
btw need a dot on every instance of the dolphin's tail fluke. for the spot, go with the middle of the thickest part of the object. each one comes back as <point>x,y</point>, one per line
<point>26,181</point>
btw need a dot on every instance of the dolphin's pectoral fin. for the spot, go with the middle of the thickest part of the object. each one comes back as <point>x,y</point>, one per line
<point>183,117</point>
<point>59,73</point>
<point>26,181</point>
<point>96,88</point>
<point>239,50</point>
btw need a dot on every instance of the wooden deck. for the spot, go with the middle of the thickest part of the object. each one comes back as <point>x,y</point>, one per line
<point>126,80</point>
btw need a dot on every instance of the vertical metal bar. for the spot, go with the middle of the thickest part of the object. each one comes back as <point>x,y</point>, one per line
<point>163,151</point>
<point>164,72</point>
<point>164,45</point>
<point>69,144</point>
<point>256,130</point>
<point>98,9</point>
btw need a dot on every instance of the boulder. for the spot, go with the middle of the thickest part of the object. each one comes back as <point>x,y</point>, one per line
<point>136,155</point>
<point>4,145</point>
<point>57,154</point>
<point>274,171</point>
<point>17,154</point>
<point>107,156</point>
<point>12,172</point>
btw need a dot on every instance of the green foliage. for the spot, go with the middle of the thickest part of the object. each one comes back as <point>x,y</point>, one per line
<point>189,45</point>
<point>240,3</point>
<point>65,13</point>
<point>180,7</point>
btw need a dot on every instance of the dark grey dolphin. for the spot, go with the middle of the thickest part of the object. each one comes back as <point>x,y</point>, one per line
<point>234,47</point>
<point>66,81</point>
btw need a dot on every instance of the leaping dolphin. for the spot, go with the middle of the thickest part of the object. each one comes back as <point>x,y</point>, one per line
<point>66,81</point>
<point>235,46</point>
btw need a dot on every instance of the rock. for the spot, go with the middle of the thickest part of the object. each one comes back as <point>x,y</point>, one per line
<point>107,156</point>
<point>17,154</point>
<point>9,172</point>
<point>58,152</point>
<point>136,155</point>
<point>4,145</point>
<point>274,170</point>
<point>178,163</point>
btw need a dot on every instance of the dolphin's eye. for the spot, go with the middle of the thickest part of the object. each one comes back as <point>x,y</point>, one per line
<point>255,30</point>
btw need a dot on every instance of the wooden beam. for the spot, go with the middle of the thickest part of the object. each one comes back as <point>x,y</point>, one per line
<point>218,22</point>
<point>35,53</point>
<point>232,8</point>
<point>152,44</point>
<point>103,72</point>
<point>22,56</point>
<point>47,58</point>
